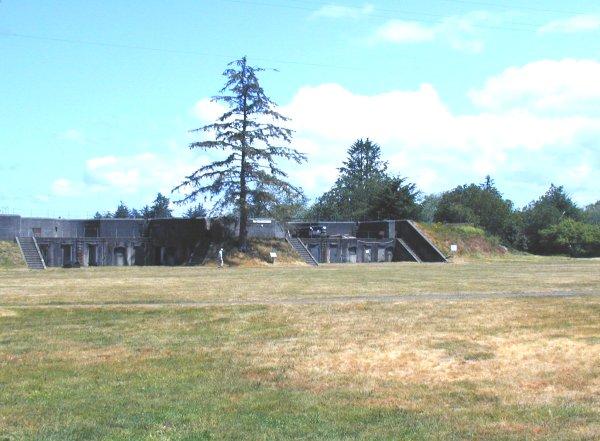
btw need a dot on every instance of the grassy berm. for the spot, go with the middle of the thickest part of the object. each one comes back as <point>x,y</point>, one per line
<point>285,353</point>
<point>472,242</point>
<point>10,256</point>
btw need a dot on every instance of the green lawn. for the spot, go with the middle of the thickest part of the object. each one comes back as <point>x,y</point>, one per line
<point>117,369</point>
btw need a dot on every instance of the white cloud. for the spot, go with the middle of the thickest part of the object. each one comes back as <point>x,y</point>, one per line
<point>337,11</point>
<point>570,25</point>
<point>207,110</point>
<point>399,31</point>
<point>131,174</point>
<point>564,86</point>
<point>459,32</point>
<point>73,135</point>
<point>65,187</point>
<point>437,148</point>
<point>145,173</point>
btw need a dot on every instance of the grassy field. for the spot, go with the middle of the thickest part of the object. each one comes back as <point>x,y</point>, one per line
<point>120,353</point>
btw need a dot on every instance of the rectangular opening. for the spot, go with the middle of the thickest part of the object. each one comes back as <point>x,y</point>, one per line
<point>92,255</point>
<point>140,255</point>
<point>66,254</point>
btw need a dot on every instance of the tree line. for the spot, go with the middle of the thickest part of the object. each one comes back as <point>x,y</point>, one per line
<point>248,180</point>
<point>550,224</point>
<point>159,209</point>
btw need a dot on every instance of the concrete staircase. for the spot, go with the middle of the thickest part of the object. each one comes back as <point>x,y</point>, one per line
<point>31,252</point>
<point>198,256</point>
<point>302,250</point>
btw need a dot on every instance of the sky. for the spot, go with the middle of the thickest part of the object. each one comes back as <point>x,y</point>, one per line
<point>97,98</point>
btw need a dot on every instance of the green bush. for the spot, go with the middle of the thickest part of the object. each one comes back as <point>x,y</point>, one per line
<point>481,205</point>
<point>571,237</point>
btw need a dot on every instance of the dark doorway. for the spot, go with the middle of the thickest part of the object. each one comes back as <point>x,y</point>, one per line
<point>334,255</point>
<point>92,255</point>
<point>157,255</point>
<point>367,258</point>
<point>120,256</point>
<point>352,254</point>
<point>140,256</point>
<point>66,254</point>
<point>171,256</point>
<point>389,254</point>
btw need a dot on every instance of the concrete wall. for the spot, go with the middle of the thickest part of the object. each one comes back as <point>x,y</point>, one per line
<point>51,227</point>
<point>302,229</point>
<point>94,251</point>
<point>266,229</point>
<point>9,226</point>
<point>122,227</point>
<point>376,230</point>
<point>173,241</point>
<point>346,250</point>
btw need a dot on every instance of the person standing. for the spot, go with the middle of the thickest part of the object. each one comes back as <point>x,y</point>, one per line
<point>220,257</point>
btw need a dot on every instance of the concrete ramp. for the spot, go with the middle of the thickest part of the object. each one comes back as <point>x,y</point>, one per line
<point>405,253</point>
<point>416,243</point>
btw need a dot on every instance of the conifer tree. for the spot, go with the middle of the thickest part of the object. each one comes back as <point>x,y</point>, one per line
<point>253,139</point>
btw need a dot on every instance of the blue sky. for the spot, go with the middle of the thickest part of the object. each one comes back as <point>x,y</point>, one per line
<point>97,97</point>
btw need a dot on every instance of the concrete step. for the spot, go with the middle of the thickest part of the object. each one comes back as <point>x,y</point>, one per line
<point>302,251</point>
<point>31,253</point>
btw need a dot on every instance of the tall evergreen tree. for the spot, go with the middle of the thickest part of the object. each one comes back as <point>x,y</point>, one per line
<point>394,198</point>
<point>195,211</point>
<point>364,190</point>
<point>122,212</point>
<point>146,212</point>
<point>160,207</point>
<point>251,134</point>
<point>363,165</point>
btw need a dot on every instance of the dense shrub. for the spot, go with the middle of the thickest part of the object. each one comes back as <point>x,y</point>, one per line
<point>550,209</point>
<point>577,239</point>
<point>481,205</point>
<point>592,213</point>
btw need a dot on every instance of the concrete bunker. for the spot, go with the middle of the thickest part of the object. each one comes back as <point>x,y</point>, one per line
<point>174,241</point>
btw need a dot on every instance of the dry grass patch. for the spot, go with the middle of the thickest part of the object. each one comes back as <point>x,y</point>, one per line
<point>4,312</point>
<point>193,284</point>
<point>508,348</point>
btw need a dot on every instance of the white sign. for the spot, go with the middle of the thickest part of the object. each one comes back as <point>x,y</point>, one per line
<point>273,255</point>
<point>454,248</point>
